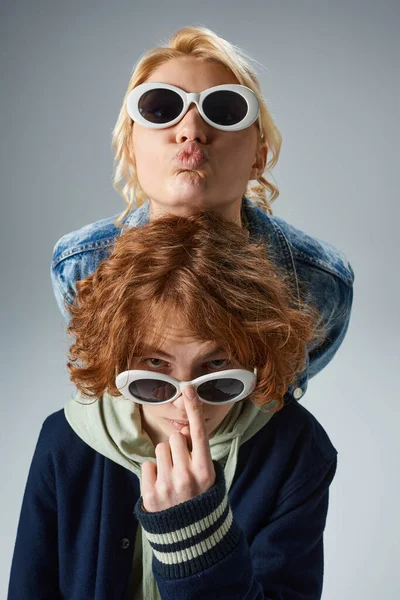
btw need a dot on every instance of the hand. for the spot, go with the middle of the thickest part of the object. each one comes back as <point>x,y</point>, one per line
<point>179,474</point>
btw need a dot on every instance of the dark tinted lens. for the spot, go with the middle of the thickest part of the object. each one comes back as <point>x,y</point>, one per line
<point>225,108</point>
<point>152,390</point>
<point>220,390</point>
<point>160,106</point>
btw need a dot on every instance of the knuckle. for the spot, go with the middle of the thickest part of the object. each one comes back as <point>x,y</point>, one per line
<point>204,476</point>
<point>150,500</point>
<point>207,483</point>
<point>200,433</point>
<point>182,481</point>
<point>164,488</point>
<point>161,447</point>
<point>176,436</point>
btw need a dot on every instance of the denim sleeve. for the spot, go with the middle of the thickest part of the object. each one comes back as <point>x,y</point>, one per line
<point>65,272</point>
<point>332,297</point>
<point>60,292</point>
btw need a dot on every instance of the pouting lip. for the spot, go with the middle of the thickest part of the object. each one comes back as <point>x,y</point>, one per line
<point>191,155</point>
<point>191,163</point>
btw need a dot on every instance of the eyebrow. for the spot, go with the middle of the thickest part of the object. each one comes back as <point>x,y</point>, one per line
<point>149,350</point>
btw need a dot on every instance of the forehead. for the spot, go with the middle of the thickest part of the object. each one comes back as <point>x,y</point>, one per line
<point>178,341</point>
<point>192,74</point>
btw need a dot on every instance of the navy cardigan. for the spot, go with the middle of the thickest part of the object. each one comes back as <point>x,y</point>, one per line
<point>80,510</point>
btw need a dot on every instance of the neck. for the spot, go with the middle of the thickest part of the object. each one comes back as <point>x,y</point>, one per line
<point>230,211</point>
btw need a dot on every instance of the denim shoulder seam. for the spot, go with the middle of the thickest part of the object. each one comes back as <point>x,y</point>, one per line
<point>322,265</point>
<point>107,243</point>
<point>287,250</point>
<point>345,272</point>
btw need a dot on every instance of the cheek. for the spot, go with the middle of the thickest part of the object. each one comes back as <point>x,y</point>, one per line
<point>237,155</point>
<point>152,413</point>
<point>220,414</point>
<point>146,150</point>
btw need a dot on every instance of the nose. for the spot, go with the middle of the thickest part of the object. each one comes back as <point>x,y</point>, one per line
<point>179,405</point>
<point>192,127</point>
<point>184,375</point>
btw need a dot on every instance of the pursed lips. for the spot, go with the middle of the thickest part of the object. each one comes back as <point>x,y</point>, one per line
<point>191,156</point>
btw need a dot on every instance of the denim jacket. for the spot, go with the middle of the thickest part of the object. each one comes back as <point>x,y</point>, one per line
<point>319,272</point>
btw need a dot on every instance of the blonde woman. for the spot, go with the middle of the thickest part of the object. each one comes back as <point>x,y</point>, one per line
<point>184,143</point>
<point>180,469</point>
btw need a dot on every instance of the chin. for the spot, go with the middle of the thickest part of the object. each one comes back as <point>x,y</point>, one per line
<point>188,203</point>
<point>194,190</point>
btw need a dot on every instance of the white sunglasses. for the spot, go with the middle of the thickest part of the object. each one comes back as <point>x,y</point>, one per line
<point>148,387</point>
<point>229,107</point>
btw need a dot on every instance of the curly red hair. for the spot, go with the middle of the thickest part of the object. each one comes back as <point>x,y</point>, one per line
<point>222,286</point>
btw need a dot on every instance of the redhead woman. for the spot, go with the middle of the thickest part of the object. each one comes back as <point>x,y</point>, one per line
<point>193,132</point>
<point>182,468</point>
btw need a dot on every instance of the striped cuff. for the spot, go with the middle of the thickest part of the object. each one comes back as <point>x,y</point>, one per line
<point>193,535</point>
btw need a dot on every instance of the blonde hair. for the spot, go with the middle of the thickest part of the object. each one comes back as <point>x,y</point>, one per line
<point>196,42</point>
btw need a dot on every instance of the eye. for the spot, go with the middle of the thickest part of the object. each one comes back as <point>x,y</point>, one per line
<point>218,363</point>
<point>154,363</point>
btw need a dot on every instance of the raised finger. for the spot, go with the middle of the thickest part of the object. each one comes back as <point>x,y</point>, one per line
<point>179,451</point>
<point>164,462</point>
<point>197,425</point>
<point>149,477</point>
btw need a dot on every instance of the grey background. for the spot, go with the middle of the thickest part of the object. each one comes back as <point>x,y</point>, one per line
<point>330,76</point>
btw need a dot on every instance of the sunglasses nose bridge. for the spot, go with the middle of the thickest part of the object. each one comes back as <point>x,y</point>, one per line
<point>185,384</point>
<point>192,99</point>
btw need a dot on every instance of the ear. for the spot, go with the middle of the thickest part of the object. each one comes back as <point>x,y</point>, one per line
<point>260,160</point>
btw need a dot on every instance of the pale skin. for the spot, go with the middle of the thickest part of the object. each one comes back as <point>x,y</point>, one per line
<point>233,157</point>
<point>184,467</point>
